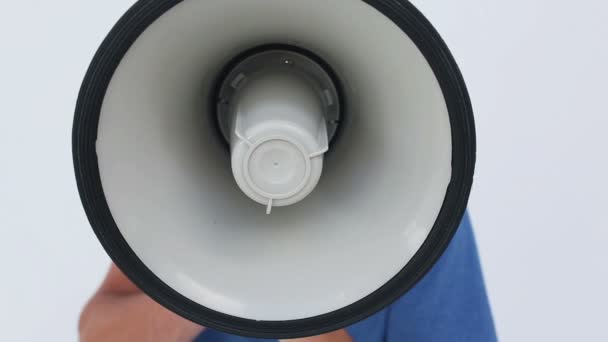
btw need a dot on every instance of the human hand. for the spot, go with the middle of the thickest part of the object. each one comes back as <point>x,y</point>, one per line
<point>121,312</point>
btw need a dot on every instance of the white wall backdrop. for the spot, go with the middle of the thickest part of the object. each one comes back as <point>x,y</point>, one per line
<point>537,71</point>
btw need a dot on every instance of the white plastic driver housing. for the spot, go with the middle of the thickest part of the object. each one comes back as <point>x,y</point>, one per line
<point>274,109</point>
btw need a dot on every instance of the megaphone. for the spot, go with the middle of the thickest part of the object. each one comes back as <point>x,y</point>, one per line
<point>273,168</point>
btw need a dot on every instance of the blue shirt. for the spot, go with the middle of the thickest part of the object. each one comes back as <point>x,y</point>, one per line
<point>449,305</point>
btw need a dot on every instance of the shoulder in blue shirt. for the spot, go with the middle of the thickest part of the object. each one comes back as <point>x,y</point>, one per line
<point>449,305</point>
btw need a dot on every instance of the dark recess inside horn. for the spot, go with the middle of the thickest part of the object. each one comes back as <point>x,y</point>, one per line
<point>215,98</point>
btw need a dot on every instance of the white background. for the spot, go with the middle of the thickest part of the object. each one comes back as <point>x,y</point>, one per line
<point>537,73</point>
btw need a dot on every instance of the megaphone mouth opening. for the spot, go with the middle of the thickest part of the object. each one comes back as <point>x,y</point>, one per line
<point>152,174</point>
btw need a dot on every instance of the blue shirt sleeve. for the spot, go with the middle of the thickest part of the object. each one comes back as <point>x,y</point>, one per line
<point>449,305</point>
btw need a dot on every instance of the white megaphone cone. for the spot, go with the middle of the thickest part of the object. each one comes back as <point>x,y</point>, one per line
<point>347,119</point>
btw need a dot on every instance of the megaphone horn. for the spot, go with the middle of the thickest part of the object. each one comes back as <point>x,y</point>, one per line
<point>273,168</point>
